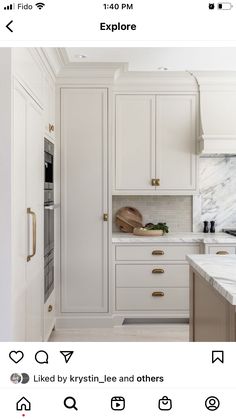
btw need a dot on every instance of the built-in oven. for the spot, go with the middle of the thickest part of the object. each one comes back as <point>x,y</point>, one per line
<point>48,220</point>
<point>48,165</point>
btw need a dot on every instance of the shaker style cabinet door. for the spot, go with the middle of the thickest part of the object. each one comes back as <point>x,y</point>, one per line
<point>176,143</point>
<point>134,149</point>
<point>28,273</point>
<point>84,232</point>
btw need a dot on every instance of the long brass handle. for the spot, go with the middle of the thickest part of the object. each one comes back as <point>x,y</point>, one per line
<point>222,252</point>
<point>158,271</point>
<point>158,294</point>
<point>158,253</point>
<point>34,227</point>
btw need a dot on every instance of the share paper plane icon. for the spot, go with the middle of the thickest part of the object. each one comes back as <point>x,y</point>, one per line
<point>67,355</point>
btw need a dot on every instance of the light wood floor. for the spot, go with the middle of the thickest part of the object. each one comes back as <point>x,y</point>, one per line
<point>127,333</point>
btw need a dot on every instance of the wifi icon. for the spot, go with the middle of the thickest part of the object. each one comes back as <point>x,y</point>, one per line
<point>40,5</point>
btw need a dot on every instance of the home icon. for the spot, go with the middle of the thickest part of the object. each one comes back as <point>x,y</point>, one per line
<point>23,404</point>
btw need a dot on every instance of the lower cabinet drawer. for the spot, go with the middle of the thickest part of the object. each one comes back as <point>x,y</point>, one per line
<point>134,299</point>
<point>152,275</point>
<point>221,250</point>
<point>156,253</point>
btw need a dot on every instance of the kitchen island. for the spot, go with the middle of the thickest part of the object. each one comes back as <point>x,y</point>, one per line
<point>212,298</point>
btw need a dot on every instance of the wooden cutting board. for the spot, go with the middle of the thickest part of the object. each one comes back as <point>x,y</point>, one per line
<point>140,232</point>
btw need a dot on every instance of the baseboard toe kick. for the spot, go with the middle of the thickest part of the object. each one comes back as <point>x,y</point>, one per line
<point>114,321</point>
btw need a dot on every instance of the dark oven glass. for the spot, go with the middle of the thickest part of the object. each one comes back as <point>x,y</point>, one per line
<point>48,162</point>
<point>48,230</point>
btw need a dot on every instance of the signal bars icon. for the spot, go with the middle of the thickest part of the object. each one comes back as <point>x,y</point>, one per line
<point>40,5</point>
<point>9,7</point>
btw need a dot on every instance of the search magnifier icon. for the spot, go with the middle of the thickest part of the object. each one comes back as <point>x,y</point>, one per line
<point>70,403</point>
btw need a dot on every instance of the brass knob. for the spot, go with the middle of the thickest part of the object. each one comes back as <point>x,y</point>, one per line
<point>157,182</point>
<point>222,252</point>
<point>158,253</point>
<point>51,128</point>
<point>158,271</point>
<point>105,217</point>
<point>153,182</point>
<point>158,294</point>
<point>50,308</point>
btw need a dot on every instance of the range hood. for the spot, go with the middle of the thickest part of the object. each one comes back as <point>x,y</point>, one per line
<point>217,93</point>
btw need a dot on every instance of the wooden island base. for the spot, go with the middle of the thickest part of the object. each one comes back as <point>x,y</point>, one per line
<point>212,317</point>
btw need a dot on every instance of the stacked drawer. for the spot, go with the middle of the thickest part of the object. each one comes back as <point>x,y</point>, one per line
<point>152,278</point>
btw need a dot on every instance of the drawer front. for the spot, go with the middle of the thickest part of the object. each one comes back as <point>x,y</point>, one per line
<point>136,299</point>
<point>221,250</point>
<point>152,276</point>
<point>155,253</point>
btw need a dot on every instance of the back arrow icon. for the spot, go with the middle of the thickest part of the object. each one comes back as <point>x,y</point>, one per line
<point>8,26</point>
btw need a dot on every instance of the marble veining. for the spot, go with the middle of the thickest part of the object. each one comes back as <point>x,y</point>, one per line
<point>218,238</point>
<point>217,194</point>
<point>219,271</point>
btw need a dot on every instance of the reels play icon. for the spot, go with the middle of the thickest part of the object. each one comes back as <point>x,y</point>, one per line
<point>117,403</point>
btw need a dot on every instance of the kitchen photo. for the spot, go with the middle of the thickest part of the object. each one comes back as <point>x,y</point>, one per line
<point>118,185</point>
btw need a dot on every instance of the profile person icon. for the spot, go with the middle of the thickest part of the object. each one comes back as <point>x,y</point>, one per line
<point>212,403</point>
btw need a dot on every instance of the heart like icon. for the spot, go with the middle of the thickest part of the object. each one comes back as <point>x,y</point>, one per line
<point>16,356</point>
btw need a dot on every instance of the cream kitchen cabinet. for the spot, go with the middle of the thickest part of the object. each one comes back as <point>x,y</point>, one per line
<point>49,107</point>
<point>155,144</point>
<point>28,181</point>
<point>151,280</point>
<point>84,201</point>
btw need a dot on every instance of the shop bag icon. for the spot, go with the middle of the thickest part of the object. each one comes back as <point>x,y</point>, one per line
<point>165,403</point>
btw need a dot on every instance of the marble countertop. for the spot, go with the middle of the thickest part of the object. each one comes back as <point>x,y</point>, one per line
<point>219,271</point>
<point>176,238</point>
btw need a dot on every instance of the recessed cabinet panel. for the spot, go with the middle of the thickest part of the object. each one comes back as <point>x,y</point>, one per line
<point>134,143</point>
<point>84,200</point>
<point>176,142</point>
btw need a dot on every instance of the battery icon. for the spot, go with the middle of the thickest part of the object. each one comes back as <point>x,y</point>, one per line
<point>225,6</point>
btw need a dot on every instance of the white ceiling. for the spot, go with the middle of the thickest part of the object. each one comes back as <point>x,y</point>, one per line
<point>150,59</point>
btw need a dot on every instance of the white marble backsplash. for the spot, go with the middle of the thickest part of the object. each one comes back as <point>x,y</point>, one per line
<point>217,199</point>
<point>176,211</point>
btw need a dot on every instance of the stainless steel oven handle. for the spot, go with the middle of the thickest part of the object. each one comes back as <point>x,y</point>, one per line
<point>51,207</point>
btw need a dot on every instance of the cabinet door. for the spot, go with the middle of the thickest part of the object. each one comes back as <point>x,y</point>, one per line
<point>176,143</point>
<point>19,228</point>
<point>134,143</point>
<point>27,287</point>
<point>34,200</point>
<point>84,200</point>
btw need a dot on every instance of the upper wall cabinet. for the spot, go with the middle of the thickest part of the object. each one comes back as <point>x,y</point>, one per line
<point>155,144</point>
<point>49,107</point>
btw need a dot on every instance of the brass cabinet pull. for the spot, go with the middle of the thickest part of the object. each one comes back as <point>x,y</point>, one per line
<point>158,271</point>
<point>51,128</point>
<point>50,308</point>
<point>158,253</point>
<point>30,212</point>
<point>222,252</point>
<point>105,217</point>
<point>155,182</point>
<point>158,294</point>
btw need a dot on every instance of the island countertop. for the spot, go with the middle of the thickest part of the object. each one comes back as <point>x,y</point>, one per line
<point>218,271</point>
<point>217,238</point>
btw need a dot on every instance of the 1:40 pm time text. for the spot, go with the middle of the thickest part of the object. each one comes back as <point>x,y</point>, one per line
<point>117,6</point>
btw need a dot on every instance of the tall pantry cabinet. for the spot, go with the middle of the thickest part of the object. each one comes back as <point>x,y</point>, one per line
<point>84,201</point>
<point>28,217</point>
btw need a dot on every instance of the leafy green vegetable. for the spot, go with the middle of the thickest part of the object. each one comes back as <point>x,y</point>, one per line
<point>159,226</point>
